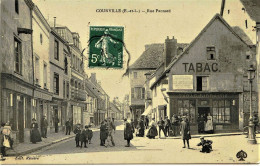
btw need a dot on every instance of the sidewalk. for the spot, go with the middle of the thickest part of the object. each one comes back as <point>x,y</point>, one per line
<point>25,148</point>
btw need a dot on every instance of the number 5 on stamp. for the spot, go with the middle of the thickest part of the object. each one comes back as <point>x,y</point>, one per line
<point>106,46</point>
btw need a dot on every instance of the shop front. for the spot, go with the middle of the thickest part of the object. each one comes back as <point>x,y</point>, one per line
<point>222,107</point>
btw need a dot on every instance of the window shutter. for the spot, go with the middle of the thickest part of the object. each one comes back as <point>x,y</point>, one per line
<point>143,93</point>
<point>204,83</point>
<point>132,92</point>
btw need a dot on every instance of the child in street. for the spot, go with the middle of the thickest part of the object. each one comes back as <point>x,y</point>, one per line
<point>77,131</point>
<point>90,134</point>
<point>206,145</point>
<point>84,137</point>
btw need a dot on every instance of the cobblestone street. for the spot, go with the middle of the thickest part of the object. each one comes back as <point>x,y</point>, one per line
<point>143,150</point>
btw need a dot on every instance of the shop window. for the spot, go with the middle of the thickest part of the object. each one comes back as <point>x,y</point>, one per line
<point>18,56</point>
<point>202,83</point>
<point>56,84</point>
<point>221,111</point>
<point>56,50</point>
<point>187,108</point>
<point>211,53</point>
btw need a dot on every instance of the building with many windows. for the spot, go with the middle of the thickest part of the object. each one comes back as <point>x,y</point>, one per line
<point>17,78</point>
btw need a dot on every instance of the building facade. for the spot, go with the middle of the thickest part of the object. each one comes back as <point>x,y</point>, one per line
<point>210,77</point>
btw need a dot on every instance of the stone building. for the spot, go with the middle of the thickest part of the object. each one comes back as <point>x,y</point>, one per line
<point>210,77</point>
<point>41,44</point>
<point>17,78</point>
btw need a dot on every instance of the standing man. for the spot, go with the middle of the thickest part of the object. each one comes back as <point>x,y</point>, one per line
<point>255,121</point>
<point>68,126</point>
<point>111,131</point>
<point>56,123</point>
<point>146,122</point>
<point>44,126</point>
<point>167,126</point>
<point>141,127</point>
<point>185,131</point>
<point>128,133</point>
<point>161,127</point>
<point>175,124</point>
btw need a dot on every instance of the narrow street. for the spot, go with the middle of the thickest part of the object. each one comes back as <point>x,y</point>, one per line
<point>143,150</point>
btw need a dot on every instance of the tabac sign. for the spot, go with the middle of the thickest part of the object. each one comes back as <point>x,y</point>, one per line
<point>106,46</point>
<point>200,67</point>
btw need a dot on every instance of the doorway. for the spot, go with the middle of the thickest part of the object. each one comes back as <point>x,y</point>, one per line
<point>203,111</point>
<point>20,110</point>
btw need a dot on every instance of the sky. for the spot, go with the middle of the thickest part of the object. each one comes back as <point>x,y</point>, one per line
<point>186,19</point>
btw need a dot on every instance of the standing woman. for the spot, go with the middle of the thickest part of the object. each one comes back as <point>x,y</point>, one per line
<point>152,132</point>
<point>103,133</point>
<point>185,131</point>
<point>35,133</point>
<point>128,133</point>
<point>209,124</point>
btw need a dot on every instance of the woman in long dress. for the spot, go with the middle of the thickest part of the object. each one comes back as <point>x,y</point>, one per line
<point>152,132</point>
<point>209,124</point>
<point>35,133</point>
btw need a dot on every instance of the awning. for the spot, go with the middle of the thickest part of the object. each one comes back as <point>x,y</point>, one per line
<point>147,111</point>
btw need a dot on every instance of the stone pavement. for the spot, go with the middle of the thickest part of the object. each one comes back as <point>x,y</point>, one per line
<point>28,147</point>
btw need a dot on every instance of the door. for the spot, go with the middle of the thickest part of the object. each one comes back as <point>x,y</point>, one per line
<point>20,118</point>
<point>203,111</point>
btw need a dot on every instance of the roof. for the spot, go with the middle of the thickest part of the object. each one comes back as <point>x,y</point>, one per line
<point>237,32</point>
<point>92,90</point>
<point>252,8</point>
<point>243,35</point>
<point>152,57</point>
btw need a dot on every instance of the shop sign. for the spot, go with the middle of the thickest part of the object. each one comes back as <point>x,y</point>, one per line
<point>19,88</point>
<point>200,67</point>
<point>43,96</point>
<point>182,82</point>
<point>190,95</point>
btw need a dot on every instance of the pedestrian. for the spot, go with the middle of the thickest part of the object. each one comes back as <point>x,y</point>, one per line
<point>185,131</point>
<point>77,131</point>
<point>200,124</point>
<point>7,132</point>
<point>136,121</point>
<point>84,137</point>
<point>3,150</point>
<point>68,126</point>
<point>44,126</point>
<point>56,123</point>
<point>146,122</point>
<point>152,132</point>
<point>128,133</point>
<point>209,124</point>
<point>35,133</point>
<point>140,128</point>
<point>90,135</point>
<point>111,131</point>
<point>255,121</point>
<point>167,126</point>
<point>133,125</point>
<point>103,133</point>
<point>175,124</point>
<point>161,127</point>
<point>206,145</point>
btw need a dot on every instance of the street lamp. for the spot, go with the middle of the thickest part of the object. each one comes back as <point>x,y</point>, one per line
<point>251,132</point>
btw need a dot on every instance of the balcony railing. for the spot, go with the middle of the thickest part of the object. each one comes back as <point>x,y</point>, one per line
<point>78,94</point>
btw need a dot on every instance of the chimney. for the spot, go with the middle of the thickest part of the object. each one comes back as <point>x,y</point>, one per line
<point>170,50</point>
<point>93,78</point>
<point>54,24</point>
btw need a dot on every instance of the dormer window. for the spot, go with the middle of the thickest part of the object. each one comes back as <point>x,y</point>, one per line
<point>211,53</point>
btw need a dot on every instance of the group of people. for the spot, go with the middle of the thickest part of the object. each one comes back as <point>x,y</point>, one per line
<point>83,136</point>
<point>205,124</point>
<point>107,131</point>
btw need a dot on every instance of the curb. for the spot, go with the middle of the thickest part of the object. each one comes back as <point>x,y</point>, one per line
<point>40,147</point>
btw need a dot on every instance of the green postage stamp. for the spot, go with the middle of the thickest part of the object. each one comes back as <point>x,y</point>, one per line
<point>106,46</point>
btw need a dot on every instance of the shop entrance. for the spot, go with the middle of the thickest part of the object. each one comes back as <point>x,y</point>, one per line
<point>20,111</point>
<point>203,111</point>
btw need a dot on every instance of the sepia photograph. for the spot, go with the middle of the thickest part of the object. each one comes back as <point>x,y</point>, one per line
<point>129,82</point>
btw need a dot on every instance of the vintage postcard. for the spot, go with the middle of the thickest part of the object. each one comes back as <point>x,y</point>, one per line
<point>129,82</point>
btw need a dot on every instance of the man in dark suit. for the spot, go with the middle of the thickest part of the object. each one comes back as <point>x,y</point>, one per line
<point>185,131</point>
<point>167,126</point>
<point>44,126</point>
<point>161,127</point>
<point>68,126</point>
